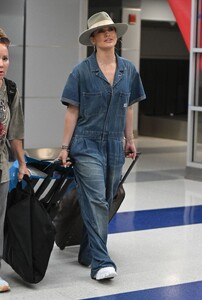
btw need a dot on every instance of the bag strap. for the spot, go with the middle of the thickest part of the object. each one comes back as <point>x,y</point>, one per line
<point>28,186</point>
<point>11,90</point>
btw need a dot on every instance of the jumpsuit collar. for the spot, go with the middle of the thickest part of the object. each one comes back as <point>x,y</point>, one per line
<point>95,68</point>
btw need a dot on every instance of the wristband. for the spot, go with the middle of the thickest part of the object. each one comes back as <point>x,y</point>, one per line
<point>129,139</point>
<point>65,147</point>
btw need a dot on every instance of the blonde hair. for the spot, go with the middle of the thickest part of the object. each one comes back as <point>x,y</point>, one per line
<point>4,35</point>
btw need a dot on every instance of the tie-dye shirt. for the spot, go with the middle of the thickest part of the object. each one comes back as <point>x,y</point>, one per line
<point>11,127</point>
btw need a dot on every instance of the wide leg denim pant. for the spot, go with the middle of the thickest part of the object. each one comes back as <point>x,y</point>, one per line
<point>98,168</point>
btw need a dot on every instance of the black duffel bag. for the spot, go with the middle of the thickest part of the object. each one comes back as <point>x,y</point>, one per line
<point>29,233</point>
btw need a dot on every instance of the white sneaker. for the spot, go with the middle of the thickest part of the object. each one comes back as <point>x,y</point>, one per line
<point>4,286</point>
<point>106,273</point>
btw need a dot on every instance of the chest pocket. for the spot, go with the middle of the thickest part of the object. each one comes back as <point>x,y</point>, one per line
<point>94,104</point>
<point>123,100</point>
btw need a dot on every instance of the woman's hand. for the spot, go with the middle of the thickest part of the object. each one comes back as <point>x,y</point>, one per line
<point>130,149</point>
<point>22,171</point>
<point>64,158</point>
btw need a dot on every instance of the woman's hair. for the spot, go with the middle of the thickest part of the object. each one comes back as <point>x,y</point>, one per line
<point>4,38</point>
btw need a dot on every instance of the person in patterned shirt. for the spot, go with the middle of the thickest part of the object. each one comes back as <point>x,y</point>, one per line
<point>11,128</point>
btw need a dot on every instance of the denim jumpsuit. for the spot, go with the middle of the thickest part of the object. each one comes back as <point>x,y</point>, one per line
<point>97,147</point>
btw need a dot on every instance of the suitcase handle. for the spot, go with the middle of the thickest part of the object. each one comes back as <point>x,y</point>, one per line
<point>130,168</point>
<point>58,162</point>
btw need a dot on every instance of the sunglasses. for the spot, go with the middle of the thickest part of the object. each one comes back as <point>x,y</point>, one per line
<point>4,40</point>
<point>103,30</point>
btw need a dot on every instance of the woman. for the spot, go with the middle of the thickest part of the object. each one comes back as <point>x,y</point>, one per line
<point>11,128</point>
<point>99,95</point>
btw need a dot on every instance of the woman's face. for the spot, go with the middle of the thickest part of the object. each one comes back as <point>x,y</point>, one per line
<point>4,60</point>
<point>104,37</point>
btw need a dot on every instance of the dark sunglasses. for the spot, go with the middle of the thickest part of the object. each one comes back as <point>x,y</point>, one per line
<point>4,40</point>
<point>103,30</point>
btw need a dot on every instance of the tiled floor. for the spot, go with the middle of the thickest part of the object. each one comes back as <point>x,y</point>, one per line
<point>155,238</point>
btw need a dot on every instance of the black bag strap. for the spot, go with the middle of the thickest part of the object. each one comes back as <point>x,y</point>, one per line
<point>28,187</point>
<point>11,90</point>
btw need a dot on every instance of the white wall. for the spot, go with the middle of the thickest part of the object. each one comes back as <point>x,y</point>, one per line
<point>52,49</point>
<point>131,48</point>
<point>156,10</point>
<point>12,21</point>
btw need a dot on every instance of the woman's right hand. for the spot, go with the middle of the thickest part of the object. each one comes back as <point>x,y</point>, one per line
<point>64,158</point>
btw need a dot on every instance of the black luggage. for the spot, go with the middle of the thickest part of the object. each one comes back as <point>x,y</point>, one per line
<point>68,222</point>
<point>28,233</point>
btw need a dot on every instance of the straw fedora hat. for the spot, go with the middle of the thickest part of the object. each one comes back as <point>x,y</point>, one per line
<point>97,21</point>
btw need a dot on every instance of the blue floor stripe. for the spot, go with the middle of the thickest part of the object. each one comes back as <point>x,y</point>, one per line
<point>155,218</point>
<point>187,291</point>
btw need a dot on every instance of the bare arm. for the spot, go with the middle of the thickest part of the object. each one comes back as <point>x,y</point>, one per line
<point>17,148</point>
<point>129,139</point>
<point>71,117</point>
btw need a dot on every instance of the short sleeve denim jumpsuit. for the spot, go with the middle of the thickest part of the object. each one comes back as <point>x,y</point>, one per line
<point>97,147</point>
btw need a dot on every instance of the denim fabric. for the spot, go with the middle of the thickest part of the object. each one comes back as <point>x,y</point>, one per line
<point>97,147</point>
<point>102,107</point>
<point>97,166</point>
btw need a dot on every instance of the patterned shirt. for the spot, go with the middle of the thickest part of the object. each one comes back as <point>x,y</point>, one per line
<point>11,127</point>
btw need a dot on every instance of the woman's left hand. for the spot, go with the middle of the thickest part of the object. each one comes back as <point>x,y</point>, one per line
<point>130,150</point>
